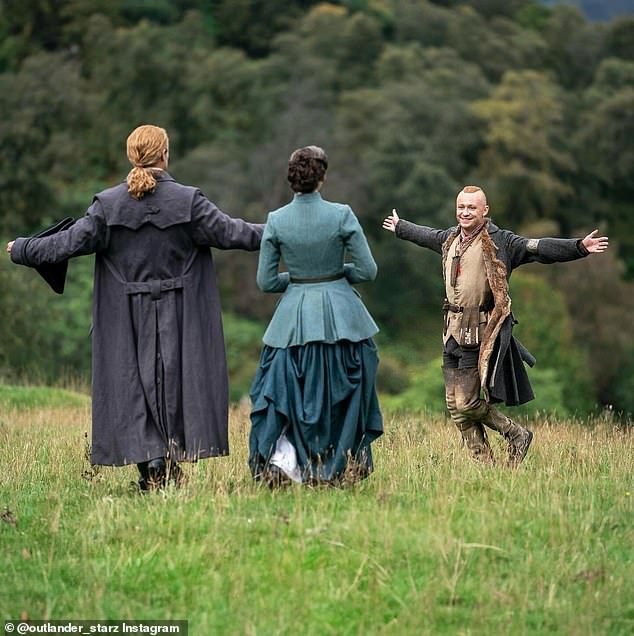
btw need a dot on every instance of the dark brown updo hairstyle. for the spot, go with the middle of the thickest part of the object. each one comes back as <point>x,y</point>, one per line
<point>306,168</point>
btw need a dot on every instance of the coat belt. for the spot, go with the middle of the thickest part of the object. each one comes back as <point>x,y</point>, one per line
<point>154,287</point>
<point>318,279</point>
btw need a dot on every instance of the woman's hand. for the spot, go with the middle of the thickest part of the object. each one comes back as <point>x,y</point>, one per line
<point>391,222</point>
<point>9,246</point>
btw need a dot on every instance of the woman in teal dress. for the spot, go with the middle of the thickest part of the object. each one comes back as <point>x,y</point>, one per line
<point>315,410</point>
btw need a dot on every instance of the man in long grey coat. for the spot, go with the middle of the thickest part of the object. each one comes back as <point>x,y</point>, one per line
<point>159,386</point>
<point>480,353</point>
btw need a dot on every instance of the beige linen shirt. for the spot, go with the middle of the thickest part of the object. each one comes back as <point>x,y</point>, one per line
<point>472,287</point>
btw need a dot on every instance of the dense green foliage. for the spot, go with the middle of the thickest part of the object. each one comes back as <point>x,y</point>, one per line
<point>411,99</point>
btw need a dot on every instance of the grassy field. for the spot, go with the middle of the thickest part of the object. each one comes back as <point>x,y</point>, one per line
<point>430,544</point>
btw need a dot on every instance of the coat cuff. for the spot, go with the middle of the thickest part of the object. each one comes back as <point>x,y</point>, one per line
<point>582,248</point>
<point>283,279</point>
<point>18,251</point>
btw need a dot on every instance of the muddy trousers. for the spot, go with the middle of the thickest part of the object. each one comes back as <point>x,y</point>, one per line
<point>472,431</point>
<point>470,413</point>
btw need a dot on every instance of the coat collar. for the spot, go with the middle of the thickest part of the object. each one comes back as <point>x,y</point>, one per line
<point>163,176</point>
<point>310,197</point>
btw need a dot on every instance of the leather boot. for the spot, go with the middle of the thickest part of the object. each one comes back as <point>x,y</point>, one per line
<point>174,473</point>
<point>467,394</point>
<point>518,438</point>
<point>156,469</point>
<point>472,406</point>
<point>156,473</point>
<point>143,476</point>
<point>473,433</point>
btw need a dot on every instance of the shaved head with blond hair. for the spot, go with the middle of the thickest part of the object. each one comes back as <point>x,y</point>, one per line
<point>471,209</point>
<point>472,189</point>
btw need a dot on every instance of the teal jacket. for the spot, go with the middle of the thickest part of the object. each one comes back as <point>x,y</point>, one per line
<point>312,236</point>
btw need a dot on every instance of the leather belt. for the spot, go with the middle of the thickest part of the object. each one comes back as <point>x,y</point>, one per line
<point>457,309</point>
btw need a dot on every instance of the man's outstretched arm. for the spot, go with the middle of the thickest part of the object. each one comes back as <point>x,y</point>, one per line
<point>420,234</point>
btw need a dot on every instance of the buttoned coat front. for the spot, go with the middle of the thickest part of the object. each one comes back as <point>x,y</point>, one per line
<point>159,380</point>
<point>501,357</point>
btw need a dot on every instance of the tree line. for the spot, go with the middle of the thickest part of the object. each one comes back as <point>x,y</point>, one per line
<point>411,100</point>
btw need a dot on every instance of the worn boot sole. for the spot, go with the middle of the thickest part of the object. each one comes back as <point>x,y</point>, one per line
<point>520,453</point>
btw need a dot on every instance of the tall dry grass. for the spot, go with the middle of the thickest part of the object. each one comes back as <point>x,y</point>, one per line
<point>431,543</point>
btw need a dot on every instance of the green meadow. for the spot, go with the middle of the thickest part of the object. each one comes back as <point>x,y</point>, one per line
<point>431,543</point>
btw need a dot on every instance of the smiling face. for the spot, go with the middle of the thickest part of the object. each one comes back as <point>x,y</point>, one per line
<point>471,209</point>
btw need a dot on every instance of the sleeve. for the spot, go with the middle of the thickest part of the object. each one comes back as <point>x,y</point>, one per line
<point>545,250</point>
<point>214,228</point>
<point>87,235</point>
<point>422,235</point>
<point>268,278</point>
<point>363,266</point>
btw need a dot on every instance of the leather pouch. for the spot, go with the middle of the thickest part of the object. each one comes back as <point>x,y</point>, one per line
<point>470,328</point>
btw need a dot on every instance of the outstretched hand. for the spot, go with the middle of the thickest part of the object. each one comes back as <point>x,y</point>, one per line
<point>391,222</point>
<point>595,244</point>
<point>9,246</point>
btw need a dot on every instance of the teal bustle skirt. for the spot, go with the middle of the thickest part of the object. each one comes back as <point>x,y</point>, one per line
<point>322,397</point>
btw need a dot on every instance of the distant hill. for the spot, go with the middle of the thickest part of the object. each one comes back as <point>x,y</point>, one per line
<point>599,9</point>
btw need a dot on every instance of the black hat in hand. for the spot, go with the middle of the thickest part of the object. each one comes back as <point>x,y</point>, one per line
<point>54,273</point>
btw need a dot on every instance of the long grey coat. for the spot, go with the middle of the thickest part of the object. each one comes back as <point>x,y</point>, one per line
<point>159,369</point>
<point>501,358</point>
